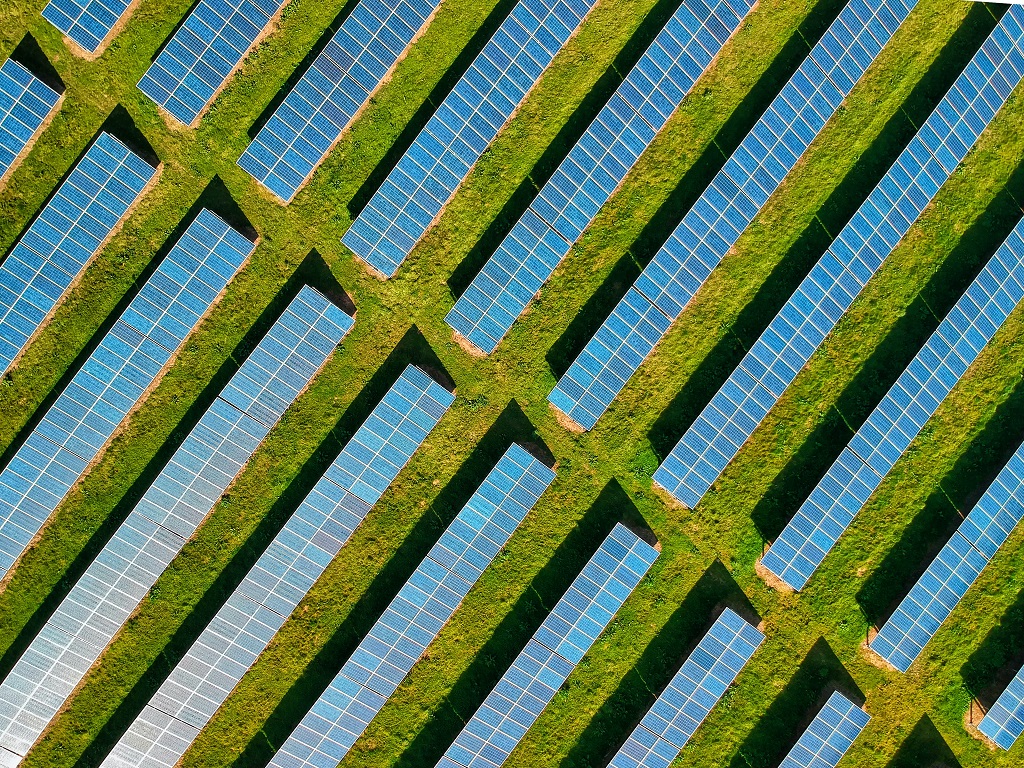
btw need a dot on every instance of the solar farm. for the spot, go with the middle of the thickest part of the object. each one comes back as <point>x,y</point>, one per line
<point>461,383</point>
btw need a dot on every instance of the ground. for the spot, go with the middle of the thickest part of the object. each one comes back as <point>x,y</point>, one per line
<point>814,640</point>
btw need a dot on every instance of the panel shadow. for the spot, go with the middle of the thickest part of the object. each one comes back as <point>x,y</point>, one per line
<point>924,748</point>
<point>998,657</point>
<point>31,56</point>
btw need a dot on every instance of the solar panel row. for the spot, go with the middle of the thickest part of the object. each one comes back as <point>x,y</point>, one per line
<point>813,310</point>
<point>713,225</point>
<point>74,430</point>
<point>25,104</point>
<point>885,436</point>
<point>982,310</point>
<point>1004,722</point>
<point>309,121</point>
<point>282,576</point>
<point>593,169</point>
<point>180,498</point>
<point>87,22</point>
<point>691,695</point>
<point>417,614</point>
<point>900,416</point>
<point>203,52</point>
<point>469,118</point>
<point>555,649</point>
<point>65,235</point>
<point>829,736</point>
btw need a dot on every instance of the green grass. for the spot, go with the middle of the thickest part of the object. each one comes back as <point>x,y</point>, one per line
<point>814,639</point>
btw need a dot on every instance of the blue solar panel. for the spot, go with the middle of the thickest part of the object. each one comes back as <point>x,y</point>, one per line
<point>111,382</point>
<point>947,579</point>
<point>339,83</point>
<point>89,23</point>
<point>713,225</point>
<point>563,638</point>
<point>593,169</point>
<point>417,614</point>
<point>282,576</point>
<point>26,102</point>
<point>65,235</point>
<point>829,736</point>
<point>467,121</point>
<point>1004,722</point>
<point>170,511</point>
<point>897,420</point>
<point>811,313</point>
<point>202,54</point>
<point>691,695</point>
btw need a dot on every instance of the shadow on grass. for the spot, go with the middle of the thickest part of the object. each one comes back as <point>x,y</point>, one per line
<point>511,425</point>
<point>816,239</point>
<point>696,179</point>
<point>924,748</point>
<point>511,635</point>
<point>301,68</point>
<point>31,56</point>
<point>560,146</point>
<point>314,271</point>
<point>426,110</point>
<point>811,461</point>
<point>819,674</point>
<point>619,714</point>
<point>999,657</point>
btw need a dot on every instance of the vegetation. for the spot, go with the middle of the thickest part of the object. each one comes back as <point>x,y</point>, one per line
<point>815,639</point>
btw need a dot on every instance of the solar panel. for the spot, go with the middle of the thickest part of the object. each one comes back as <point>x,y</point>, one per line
<point>1004,722</point>
<point>555,649</point>
<point>169,512</point>
<point>829,736</point>
<point>75,429</point>
<point>67,233</point>
<point>469,118</point>
<point>415,617</point>
<point>725,209</point>
<point>813,310</point>
<point>89,23</point>
<point>947,579</point>
<point>691,695</point>
<point>912,400</point>
<point>339,83</point>
<point>26,102</point>
<point>203,53</point>
<point>282,576</point>
<point>593,169</point>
